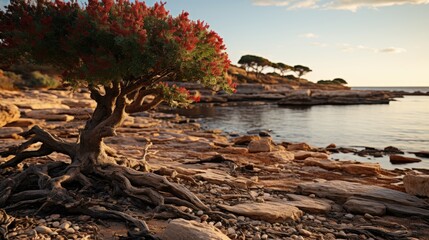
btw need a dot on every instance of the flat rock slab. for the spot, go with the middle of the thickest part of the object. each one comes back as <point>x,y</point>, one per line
<point>268,211</point>
<point>308,204</point>
<point>340,191</point>
<point>350,167</point>
<point>362,206</point>
<point>180,229</point>
<point>7,132</point>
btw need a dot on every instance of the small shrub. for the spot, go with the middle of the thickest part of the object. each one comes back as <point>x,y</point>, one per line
<point>9,80</point>
<point>37,79</point>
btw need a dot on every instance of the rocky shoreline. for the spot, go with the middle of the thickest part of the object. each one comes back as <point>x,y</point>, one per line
<point>261,189</point>
<point>289,95</point>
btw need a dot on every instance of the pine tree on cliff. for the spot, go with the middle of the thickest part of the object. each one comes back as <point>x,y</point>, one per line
<point>123,52</point>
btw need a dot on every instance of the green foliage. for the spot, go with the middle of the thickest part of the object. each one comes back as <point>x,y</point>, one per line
<point>338,81</point>
<point>301,70</point>
<point>37,79</point>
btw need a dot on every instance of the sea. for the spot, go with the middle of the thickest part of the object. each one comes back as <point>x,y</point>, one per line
<point>404,123</point>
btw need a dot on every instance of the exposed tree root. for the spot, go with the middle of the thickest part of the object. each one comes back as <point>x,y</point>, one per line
<point>58,184</point>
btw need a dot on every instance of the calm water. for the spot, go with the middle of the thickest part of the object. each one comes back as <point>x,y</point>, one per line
<point>403,123</point>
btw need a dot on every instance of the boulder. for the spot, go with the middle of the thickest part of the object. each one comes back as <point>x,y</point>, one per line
<point>180,229</point>
<point>245,140</point>
<point>417,185</point>
<point>268,211</point>
<point>262,145</point>
<point>302,155</point>
<point>8,113</point>
<point>361,206</point>
<point>397,159</point>
<point>392,150</point>
<point>298,146</point>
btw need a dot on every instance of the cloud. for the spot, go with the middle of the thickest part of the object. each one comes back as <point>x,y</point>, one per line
<point>319,44</point>
<point>354,5</point>
<point>309,35</point>
<point>351,5</point>
<point>392,50</point>
<point>354,48</point>
<point>291,4</point>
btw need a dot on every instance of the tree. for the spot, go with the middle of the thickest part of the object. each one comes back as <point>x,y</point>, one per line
<point>258,64</point>
<point>301,70</point>
<point>283,68</point>
<point>339,81</point>
<point>123,52</point>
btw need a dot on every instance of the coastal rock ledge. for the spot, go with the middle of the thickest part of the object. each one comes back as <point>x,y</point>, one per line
<point>346,97</point>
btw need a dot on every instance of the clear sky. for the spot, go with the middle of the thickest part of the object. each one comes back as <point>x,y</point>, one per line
<point>366,42</point>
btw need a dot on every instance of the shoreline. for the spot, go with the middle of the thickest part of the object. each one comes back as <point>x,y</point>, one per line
<point>242,177</point>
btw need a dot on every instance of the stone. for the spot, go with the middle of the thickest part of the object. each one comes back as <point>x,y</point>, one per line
<point>43,230</point>
<point>22,123</point>
<point>417,185</point>
<point>231,231</point>
<point>8,113</point>
<point>351,167</point>
<point>302,155</point>
<point>262,145</point>
<point>298,146</point>
<point>56,224</point>
<point>308,204</point>
<point>65,225</point>
<point>49,115</point>
<point>268,211</point>
<point>339,191</point>
<point>397,159</point>
<point>364,206</point>
<point>423,154</point>
<point>280,156</point>
<point>391,149</point>
<point>81,103</point>
<point>180,229</point>
<point>70,230</point>
<point>245,140</point>
<point>7,132</point>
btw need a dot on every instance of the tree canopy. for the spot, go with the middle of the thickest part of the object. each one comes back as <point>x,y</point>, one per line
<point>109,42</point>
<point>258,64</point>
<point>334,81</point>
<point>301,70</point>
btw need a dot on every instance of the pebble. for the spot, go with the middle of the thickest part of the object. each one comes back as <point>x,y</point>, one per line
<point>55,216</point>
<point>204,218</point>
<point>264,237</point>
<point>231,231</point>
<point>349,215</point>
<point>43,229</point>
<point>199,213</point>
<point>368,216</point>
<point>312,195</point>
<point>305,232</point>
<point>65,225</point>
<point>257,236</point>
<point>56,224</point>
<point>84,218</point>
<point>70,230</point>
<point>218,224</point>
<point>241,218</point>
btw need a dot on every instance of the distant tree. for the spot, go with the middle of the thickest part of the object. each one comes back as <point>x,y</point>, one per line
<point>124,52</point>
<point>283,68</point>
<point>339,80</point>
<point>256,63</point>
<point>301,70</point>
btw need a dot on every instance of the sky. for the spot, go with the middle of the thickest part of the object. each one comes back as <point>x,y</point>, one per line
<point>365,42</point>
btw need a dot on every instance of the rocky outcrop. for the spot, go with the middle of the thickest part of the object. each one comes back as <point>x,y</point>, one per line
<point>181,229</point>
<point>8,113</point>
<point>347,97</point>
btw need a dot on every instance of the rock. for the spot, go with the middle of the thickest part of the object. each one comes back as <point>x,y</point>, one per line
<point>298,146</point>
<point>349,216</point>
<point>8,113</point>
<point>350,167</point>
<point>268,211</point>
<point>304,232</point>
<point>231,231</point>
<point>56,224</point>
<point>302,155</point>
<point>22,123</point>
<point>180,229</point>
<point>7,132</point>
<point>281,156</point>
<point>65,225</point>
<point>308,204</point>
<point>417,185</point>
<point>339,191</point>
<point>49,115</point>
<point>262,145</point>
<point>43,230</point>
<point>397,159</point>
<point>332,145</point>
<point>364,206</point>
<point>81,103</point>
<point>245,140</point>
<point>70,230</point>
<point>392,150</point>
<point>423,154</point>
